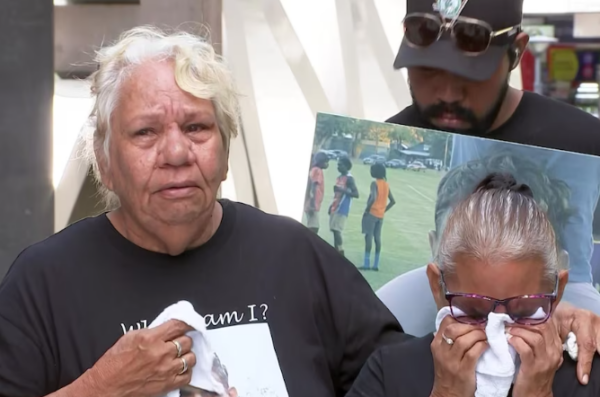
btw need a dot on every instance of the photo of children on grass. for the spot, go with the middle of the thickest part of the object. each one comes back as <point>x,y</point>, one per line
<point>373,190</point>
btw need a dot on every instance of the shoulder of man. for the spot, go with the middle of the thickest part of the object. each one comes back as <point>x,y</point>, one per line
<point>566,111</point>
<point>575,129</point>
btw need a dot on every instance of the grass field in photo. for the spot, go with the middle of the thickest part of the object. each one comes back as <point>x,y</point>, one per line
<point>405,242</point>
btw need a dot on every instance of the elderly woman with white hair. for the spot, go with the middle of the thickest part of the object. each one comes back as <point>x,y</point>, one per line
<point>497,279</point>
<point>282,307</point>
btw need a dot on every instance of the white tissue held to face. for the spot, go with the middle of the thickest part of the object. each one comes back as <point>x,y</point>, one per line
<point>497,321</point>
<point>495,370</point>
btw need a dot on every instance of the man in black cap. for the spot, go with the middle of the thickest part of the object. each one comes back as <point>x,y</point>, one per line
<point>458,72</point>
<point>459,56</point>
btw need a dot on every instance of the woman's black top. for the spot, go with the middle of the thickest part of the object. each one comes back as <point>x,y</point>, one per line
<point>406,370</point>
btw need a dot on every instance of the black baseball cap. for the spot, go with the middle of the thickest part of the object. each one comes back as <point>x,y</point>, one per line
<point>443,54</point>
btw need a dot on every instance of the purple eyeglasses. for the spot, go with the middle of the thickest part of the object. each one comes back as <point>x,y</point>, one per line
<point>525,310</point>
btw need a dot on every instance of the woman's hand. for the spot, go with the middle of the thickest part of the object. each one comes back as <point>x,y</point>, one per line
<point>586,327</point>
<point>143,363</point>
<point>455,363</point>
<point>541,352</point>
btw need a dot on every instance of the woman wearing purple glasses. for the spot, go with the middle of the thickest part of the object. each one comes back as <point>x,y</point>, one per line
<point>497,278</point>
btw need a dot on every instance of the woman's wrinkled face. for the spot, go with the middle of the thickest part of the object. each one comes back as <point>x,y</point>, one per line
<point>166,156</point>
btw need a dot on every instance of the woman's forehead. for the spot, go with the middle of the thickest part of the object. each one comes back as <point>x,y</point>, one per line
<point>499,280</point>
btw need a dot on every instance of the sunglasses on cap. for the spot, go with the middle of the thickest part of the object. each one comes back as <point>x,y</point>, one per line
<point>471,36</point>
<point>474,309</point>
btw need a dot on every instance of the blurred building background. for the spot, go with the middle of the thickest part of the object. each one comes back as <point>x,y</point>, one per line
<point>291,59</point>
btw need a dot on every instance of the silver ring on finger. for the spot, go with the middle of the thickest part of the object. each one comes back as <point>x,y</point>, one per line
<point>178,347</point>
<point>447,340</point>
<point>185,366</point>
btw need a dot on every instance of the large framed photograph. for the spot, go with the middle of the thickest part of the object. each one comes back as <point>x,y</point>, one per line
<point>380,192</point>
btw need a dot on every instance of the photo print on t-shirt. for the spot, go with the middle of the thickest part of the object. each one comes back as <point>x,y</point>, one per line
<point>427,172</point>
<point>249,365</point>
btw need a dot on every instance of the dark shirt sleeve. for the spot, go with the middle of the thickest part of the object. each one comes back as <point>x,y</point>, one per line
<point>25,363</point>
<point>370,380</point>
<point>353,322</point>
<point>566,383</point>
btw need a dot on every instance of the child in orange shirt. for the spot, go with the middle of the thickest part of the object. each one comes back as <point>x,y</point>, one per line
<point>379,202</point>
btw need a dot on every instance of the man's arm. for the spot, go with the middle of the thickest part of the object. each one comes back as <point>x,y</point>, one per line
<point>372,197</point>
<point>391,202</point>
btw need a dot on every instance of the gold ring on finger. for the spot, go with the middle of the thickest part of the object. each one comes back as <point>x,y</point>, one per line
<point>447,340</point>
<point>178,347</point>
<point>185,366</point>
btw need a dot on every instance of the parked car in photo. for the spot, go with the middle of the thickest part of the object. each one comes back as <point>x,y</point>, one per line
<point>339,153</point>
<point>395,163</point>
<point>329,153</point>
<point>374,159</point>
<point>416,166</point>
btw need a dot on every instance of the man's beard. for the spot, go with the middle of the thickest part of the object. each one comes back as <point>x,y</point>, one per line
<point>478,126</point>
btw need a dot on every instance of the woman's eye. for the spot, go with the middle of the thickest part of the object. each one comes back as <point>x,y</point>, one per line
<point>195,127</point>
<point>143,132</point>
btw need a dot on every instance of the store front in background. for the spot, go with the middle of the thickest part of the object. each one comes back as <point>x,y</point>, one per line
<point>573,72</point>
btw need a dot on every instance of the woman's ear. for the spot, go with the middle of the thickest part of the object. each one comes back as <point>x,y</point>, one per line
<point>435,276</point>
<point>563,275</point>
<point>563,279</point>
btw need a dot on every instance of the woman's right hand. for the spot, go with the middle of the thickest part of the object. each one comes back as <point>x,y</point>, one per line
<point>455,363</point>
<point>142,363</point>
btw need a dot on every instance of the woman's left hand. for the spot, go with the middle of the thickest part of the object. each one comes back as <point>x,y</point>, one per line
<point>586,327</point>
<point>541,353</point>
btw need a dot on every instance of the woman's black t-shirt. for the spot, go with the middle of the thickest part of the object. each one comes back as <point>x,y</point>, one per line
<point>288,315</point>
<point>407,370</point>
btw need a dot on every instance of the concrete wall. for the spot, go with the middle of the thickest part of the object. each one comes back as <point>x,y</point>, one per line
<point>79,29</point>
<point>27,84</point>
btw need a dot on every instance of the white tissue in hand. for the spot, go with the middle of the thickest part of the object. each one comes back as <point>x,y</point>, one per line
<point>495,369</point>
<point>570,346</point>
<point>202,376</point>
<point>499,359</point>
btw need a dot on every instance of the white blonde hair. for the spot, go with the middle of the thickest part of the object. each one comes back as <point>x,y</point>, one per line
<point>498,224</point>
<point>198,70</point>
